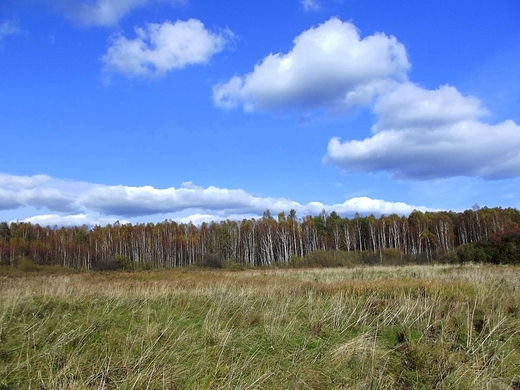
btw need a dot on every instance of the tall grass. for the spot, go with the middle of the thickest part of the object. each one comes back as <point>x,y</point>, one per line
<point>441,327</point>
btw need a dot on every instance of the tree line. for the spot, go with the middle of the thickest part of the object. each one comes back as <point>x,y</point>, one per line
<point>284,239</point>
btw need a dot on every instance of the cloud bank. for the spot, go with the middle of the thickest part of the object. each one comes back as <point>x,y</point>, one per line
<point>71,203</point>
<point>160,48</point>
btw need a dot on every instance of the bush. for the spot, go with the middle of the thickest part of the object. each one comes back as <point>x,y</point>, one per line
<point>509,248</point>
<point>211,260</point>
<point>448,258</point>
<point>370,258</point>
<point>27,265</point>
<point>349,259</point>
<point>297,262</point>
<point>124,263</point>
<point>105,265</point>
<point>392,256</point>
<point>326,259</point>
<point>322,259</point>
<point>143,266</point>
<point>5,260</point>
<point>232,265</point>
<point>500,249</point>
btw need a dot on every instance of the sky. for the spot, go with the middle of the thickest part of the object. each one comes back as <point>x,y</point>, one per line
<point>149,110</point>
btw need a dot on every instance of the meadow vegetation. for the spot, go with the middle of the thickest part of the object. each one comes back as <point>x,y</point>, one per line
<point>412,327</point>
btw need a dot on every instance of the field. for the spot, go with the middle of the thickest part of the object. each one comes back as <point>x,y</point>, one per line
<point>416,327</point>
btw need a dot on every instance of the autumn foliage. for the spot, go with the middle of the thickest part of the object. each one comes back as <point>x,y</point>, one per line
<point>475,235</point>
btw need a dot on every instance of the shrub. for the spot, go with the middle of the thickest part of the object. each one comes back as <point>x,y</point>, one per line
<point>326,259</point>
<point>349,259</point>
<point>297,262</point>
<point>392,256</point>
<point>322,259</point>
<point>124,263</point>
<point>500,249</point>
<point>448,258</point>
<point>232,265</point>
<point>211,260</point>
<point>105,265</point>
<point>27,265</point>
<point>370,258</point>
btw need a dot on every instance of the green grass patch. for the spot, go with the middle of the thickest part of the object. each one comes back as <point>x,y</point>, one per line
<point>408,327</point>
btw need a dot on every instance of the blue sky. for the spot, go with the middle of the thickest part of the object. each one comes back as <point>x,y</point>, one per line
<point>146,110</point>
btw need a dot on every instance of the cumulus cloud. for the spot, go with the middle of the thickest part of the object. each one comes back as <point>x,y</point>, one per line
<point>429,134</point>
<point>100,12</point>
<point>410,106</point>
<point>330,67</point>
<point>418,134</point>
<point>77,203</point>
<point>159,48</point>
<point>466,148</point>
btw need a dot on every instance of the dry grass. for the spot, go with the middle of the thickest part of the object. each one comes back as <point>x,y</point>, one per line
<point>440,327</point>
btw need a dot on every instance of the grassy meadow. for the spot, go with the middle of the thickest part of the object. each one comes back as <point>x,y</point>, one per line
<point>414,327</point>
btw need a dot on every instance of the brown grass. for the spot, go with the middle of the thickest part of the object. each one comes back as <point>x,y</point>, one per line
<point>418,327</point>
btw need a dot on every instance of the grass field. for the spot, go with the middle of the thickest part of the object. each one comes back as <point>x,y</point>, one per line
<point>416,327</point>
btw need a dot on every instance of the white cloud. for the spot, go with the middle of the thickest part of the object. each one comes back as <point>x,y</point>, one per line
<point>428,134</point>
<point>330,67</point>
<point>134,201</point>
<point>71,220</point>
<point>77,203</point>
<point>100,12</point>
<point>160,48</point>
<point>20,191</point>
<point>419,134</point>
<point>311,5</point>
<point>362,205</point>
<point>7,27</point>
<point>22,182</point>
<point>465,148</point>
<point>410,106</point>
